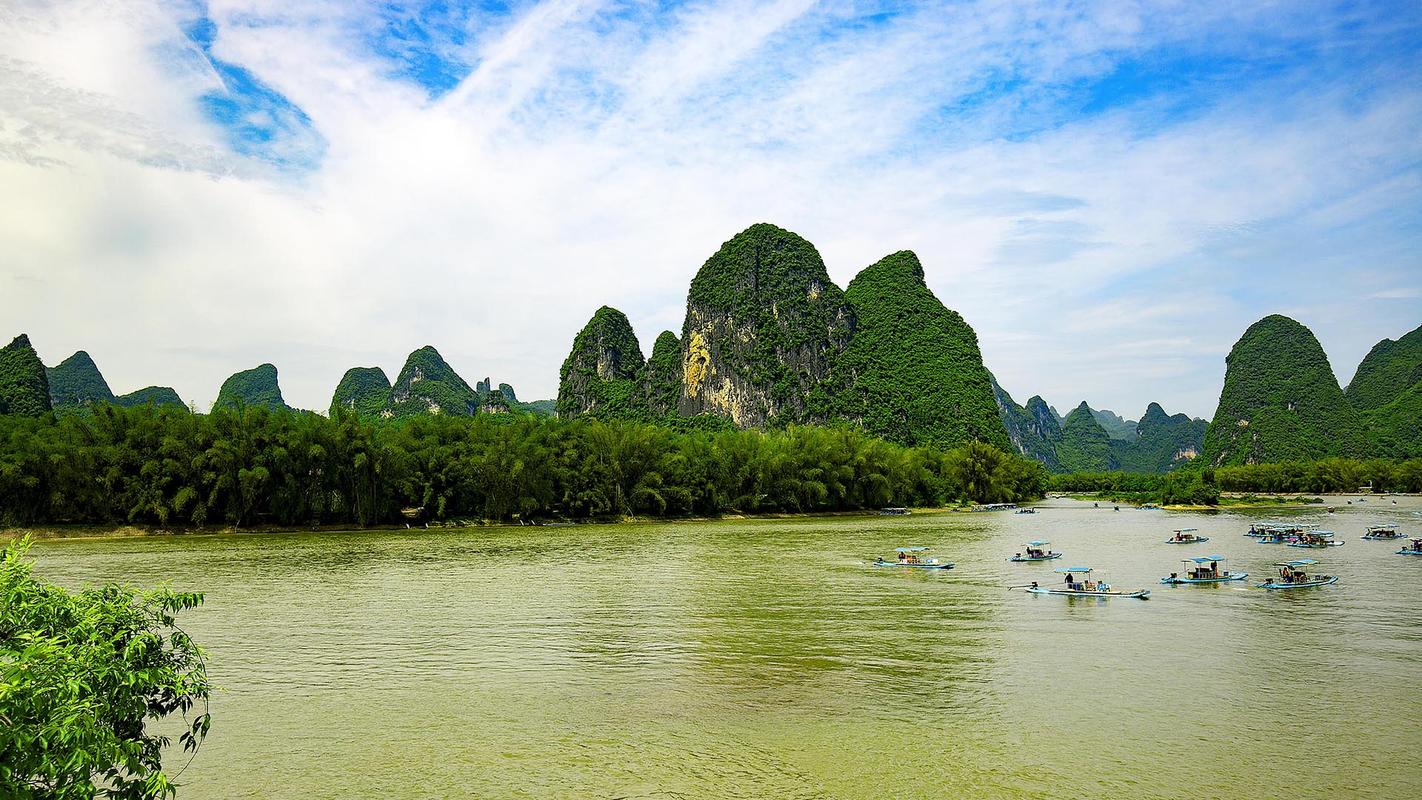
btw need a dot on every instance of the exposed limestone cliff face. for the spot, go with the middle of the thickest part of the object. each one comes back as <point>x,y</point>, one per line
<point>602,375</point>
<point>364,390</point>
<point>428,385</point>
<point>1023,430</point>
<point>763,326</point>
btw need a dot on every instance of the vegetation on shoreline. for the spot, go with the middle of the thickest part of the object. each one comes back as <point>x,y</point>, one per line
<point>250,466</point>
<point>1203,486</point>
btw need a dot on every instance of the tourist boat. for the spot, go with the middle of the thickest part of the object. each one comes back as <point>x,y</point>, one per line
<point>1316,539</point>
<point>1382,533</point>
<point>1036,551</point>
<point>911,558</point>
<point>1205,569</point>
<point>1186,536</point>
<point>1292,575</point>
<point>1279,536</point>
<point>1412,548</point>
<point>894,511</point>
<point>1085,587</point>
<point>1026,511</point>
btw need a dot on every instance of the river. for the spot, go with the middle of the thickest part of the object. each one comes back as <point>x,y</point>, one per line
<point>766,659</point>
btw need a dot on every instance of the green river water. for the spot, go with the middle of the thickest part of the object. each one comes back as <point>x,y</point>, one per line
<point>765,659</point>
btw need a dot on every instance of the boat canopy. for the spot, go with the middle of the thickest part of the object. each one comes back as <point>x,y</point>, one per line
<point>1185,530</point>
<point>1298,562</point>
<point>1073,569</point>
<point>1320,533</point>
<point>909,549</point>
<point>1037,543</point>
<point>1206,559</point>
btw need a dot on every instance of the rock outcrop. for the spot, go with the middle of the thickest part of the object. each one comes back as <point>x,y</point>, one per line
<point>428,385</point>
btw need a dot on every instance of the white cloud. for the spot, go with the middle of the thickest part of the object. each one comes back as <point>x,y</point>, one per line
<point>596,155</point>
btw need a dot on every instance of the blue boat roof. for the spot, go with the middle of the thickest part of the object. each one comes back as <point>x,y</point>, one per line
<point>1298,562</point>
<point>909,549</point>
<point>1321,533</point>
<point>1206,559</point>
<point>1038,542</point>
<point>1073,569</point>
<point>1185,530</point>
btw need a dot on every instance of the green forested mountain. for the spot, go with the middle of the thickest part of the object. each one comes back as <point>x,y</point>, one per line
<point>602,376</point>
<point>663,376</point>
<point>254,387</point>
<point>1023,429</point>
<point>1084,446</point>
<point>912,372</point>
<point>428,385</point>
<point>764,323</point>
<point>1390,369</point>
<point>1115,426</point>
<point>76,383</point>
<point>1281,401</point>
<point>1395,430</point>
<point>155,395</point>
<point>24,384</point>
<point>364,390</point>
<point>1162,442</point>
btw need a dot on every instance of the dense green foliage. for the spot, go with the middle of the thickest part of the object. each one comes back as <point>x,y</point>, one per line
<point>428,385</point>
<point>158,395</point>
<point>603,373</point>
<point>251,465</point>
<point>763,324</point>
<point>1115,426</point>
<point>254,387</point>
<point>1326,476</point>
<point>76,383</point>
<point>24,385</point>
<point>1280,401</point>
<point>1084,446</point>
<point>82,676</point>
<point>663,376</point>
<point>364,390</point>
<point>1389,370</point>
<point>1162,442</point>
<point>1395,430</point>
<point>912,373</point>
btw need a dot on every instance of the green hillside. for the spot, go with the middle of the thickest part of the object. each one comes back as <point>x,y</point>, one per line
<point>364,390</point>
<point>254,387</point>
<point>428,385</point>
<point>157,395</point>
<point>24,384</point>
<point>76,383</point>
<point>602,374</point>
<point>1390,369</point>
<point>1084,446</point>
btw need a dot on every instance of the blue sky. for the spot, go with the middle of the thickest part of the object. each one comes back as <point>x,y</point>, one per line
<point>1109,192</point>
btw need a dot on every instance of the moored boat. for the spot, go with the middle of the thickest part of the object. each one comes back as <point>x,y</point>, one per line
<point>1186,536</point>
<point>1085,587</point>
<point>1294,575</point>
<point>913,558</point>
<point>1204,569</point>
<point>1382,533</point>
<point>1316,539</point>
<point>1036,550</point>
<point>1412,548</point>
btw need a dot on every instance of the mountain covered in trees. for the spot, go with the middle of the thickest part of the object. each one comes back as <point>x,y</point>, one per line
<point>151,395</point>
<point>769,340</point>
<point>1387,391</point>
<point>76,383</point>
<point>1281,401</point>
<point>1114,424</point>
<point>252,387</point>
<point>426,385</point>
<point>24,383</point>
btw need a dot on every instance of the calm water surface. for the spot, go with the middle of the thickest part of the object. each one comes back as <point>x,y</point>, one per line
<point>765,659</point>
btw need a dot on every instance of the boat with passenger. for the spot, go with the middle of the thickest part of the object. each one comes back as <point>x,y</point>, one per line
<point>1204,569</point>
<point>1316,539</point>
<point>1262,529</point>
<point>913,558</point>
<point>1085,587</point>
<point>1028,510</point>
<point>1294,575</point>
<point>1186,536</point>
<point>1382,533</point>
<point>1279,536</point>
<point>1036,550</point>
<point>1412,548</point>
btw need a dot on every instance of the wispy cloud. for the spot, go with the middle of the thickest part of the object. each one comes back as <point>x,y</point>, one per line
<point>1109,192</point>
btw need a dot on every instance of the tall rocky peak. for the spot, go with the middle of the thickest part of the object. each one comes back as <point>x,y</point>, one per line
<point>364,390</point>
<point>1280,401</point>
<point>912,372</point>
<point>151,395</point>
<point>76,383</point>
<point>1085,446</point>
<point>1389,370</point>
<point>428,385</point>
<point>763,325</point>
<point>24,385</point>
<point>1163,442</point>
<point>1022,430</point>
<point>663,376</point>
<point>508,392</point>
<point>254,387</point>
<point>1044,419</point>
<point>603,373</point>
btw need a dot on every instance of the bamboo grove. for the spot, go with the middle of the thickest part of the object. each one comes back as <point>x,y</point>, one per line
<point>252,466</point>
